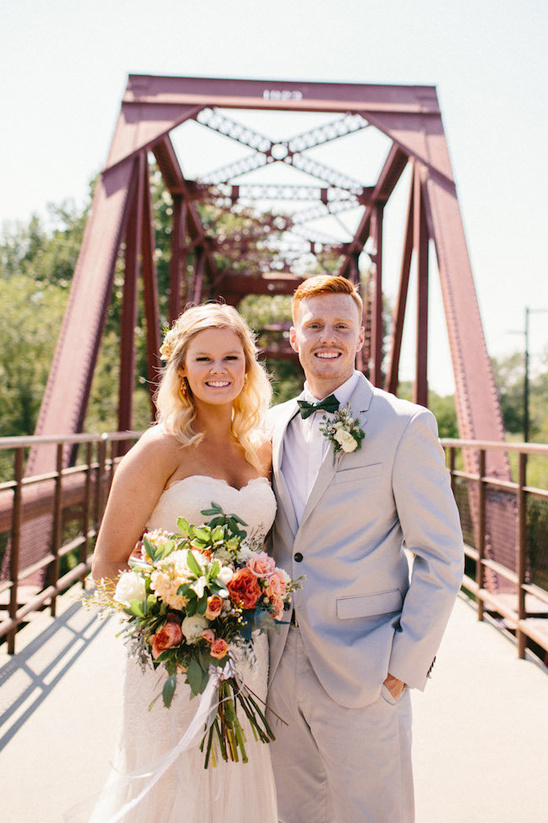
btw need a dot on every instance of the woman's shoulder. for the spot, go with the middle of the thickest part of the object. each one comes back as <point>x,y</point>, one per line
<point>157,445</point>
<point>263,448</point>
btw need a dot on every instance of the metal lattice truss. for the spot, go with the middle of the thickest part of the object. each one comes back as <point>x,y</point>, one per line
<point>121,221</point>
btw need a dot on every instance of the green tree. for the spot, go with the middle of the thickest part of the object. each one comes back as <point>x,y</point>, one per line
<point>509,381</point>
<point>32,318</point>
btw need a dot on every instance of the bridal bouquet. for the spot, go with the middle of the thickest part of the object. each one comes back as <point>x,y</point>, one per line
<point>191,603</point>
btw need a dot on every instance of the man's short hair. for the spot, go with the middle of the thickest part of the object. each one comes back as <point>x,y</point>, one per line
<point>322,284</point>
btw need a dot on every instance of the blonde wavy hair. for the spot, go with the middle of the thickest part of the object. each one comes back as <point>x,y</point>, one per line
<point>176,414</point>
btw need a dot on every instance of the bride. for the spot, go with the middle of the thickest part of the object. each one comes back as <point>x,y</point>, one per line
<point>206,447</point>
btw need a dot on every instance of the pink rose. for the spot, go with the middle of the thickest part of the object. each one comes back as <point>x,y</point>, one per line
<point>214,607</point>
<point>261,565</point>
<point>167,637</point>
<point>276,585</point>
<point>219,648</point>
<point>278,606</point>
<point>209,635</point>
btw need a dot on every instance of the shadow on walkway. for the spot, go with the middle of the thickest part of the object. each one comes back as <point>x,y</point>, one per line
<point>480,729</point>
<point>30,675</point>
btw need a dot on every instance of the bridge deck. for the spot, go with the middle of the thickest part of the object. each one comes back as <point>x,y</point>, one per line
<point>480,729</point>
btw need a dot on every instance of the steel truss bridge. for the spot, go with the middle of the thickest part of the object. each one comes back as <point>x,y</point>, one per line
<point>121,227</point>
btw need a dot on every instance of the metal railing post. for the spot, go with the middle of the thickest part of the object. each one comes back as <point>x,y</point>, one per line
<point>480,571</point>
<point>15,543</point>
<point>522,550</point>
<point>57,525</point>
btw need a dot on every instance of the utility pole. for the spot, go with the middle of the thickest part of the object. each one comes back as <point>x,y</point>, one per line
<point>526,416</point>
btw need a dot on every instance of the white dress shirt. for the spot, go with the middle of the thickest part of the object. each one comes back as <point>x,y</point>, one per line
<point>305,447</point>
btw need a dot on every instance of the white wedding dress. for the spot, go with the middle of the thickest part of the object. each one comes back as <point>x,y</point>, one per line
<point>188,793</point>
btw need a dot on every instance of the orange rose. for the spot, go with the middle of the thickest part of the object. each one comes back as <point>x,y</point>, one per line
<point>219,648</point>
<point>167,637</point>
<point>244,589</point>
<point>214,607</point>
<point>209,635</point>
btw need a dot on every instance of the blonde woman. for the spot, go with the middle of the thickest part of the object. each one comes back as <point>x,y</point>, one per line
<point>206,446</point>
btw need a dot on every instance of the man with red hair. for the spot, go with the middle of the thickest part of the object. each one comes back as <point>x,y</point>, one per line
<point>366,515</point>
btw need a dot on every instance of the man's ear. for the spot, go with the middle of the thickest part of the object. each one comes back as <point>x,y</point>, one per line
<point>293,339</point>
<point>361,339</point>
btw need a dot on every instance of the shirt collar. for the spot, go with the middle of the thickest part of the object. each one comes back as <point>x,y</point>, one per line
<point>342,393</point>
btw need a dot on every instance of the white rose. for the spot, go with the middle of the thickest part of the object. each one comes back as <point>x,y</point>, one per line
<point>346,441</point>
<point>130,586</point>
<point>192,627</point>
<point>225,575</point>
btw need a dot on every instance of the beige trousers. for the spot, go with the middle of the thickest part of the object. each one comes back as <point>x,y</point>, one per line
<point>333,764</point>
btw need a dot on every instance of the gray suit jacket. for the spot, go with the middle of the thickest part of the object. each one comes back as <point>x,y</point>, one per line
<point>362,610</point>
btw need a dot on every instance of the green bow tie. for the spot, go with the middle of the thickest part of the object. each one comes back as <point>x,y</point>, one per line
<point>328,404</point>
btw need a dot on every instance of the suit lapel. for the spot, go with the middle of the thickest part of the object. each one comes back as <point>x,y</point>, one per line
<point>283,495</point>
<point>360,401</point>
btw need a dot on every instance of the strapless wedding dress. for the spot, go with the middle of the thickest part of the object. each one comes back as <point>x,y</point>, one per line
<point>188,793</point>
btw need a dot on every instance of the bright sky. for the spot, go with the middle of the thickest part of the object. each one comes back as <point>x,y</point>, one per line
<point>64,66</point>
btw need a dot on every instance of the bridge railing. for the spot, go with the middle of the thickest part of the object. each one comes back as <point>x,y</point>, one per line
<point>48,525</point>
<point>48,522</point>
<point>505,526</point>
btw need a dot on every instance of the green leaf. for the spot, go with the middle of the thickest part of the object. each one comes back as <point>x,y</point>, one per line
<point>151,549</point>
<point>215,509</point>
<point>217,534</point>
<point>214,570</point>
<point>193,565</point>
<point>191,606</point>
<point>194,677</point>
<point>136,608</point>
<point>169,690</point>
<point>199,545</point>
<point>202,533</point>
<point>183,525</point>
<point>202,605</point>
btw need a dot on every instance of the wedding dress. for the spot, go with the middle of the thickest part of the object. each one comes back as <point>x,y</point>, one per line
<point>188,793</point>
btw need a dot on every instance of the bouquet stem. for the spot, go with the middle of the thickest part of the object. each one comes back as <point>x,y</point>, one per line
<point>226,731</point>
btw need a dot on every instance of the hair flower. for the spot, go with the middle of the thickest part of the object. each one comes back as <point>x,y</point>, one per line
<point>168,346</point>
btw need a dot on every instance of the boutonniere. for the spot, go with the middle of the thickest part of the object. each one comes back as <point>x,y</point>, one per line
<point>343,431</point>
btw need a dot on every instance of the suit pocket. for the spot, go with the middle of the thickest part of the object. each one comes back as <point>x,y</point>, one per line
<point>369,605</point>
<point>358,473</point>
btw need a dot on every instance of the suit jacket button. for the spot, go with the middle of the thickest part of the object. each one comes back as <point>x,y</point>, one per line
<point>297,557</point>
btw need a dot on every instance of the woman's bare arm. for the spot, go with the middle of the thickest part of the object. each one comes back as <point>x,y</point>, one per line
<point>138,483</point>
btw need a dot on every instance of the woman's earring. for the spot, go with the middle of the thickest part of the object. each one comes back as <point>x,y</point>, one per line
<point>183,391</point>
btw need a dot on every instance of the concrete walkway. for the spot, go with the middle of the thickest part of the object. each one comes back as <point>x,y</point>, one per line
<point>480,729</point>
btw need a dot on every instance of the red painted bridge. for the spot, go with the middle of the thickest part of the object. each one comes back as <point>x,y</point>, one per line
<point>276,209</point>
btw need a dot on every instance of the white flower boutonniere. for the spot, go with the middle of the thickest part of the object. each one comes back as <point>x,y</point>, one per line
<point>343,431</point>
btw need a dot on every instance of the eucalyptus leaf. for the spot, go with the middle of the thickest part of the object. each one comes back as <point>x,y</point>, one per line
<point>169,690</point>
<point>194,677</point>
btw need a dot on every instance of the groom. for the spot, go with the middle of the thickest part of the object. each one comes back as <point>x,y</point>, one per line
<point>366,625</point>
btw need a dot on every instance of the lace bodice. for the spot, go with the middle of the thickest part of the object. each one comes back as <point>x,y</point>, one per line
<point>254,503</point>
